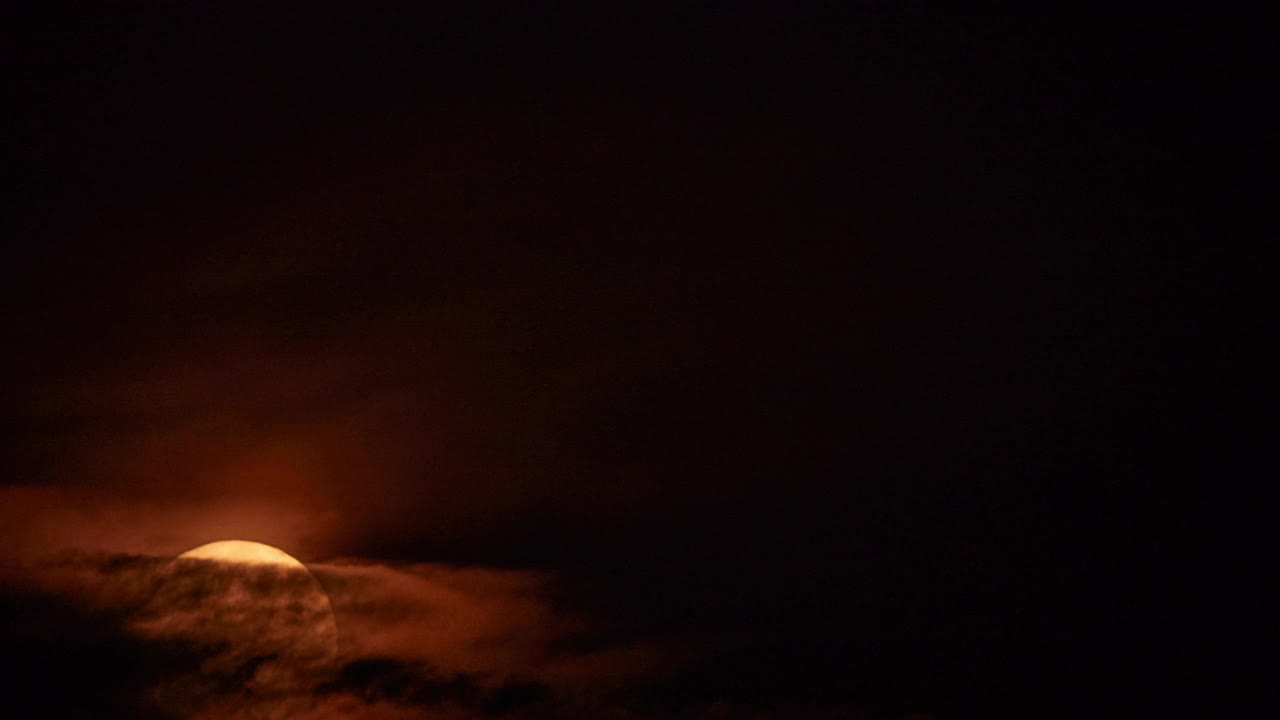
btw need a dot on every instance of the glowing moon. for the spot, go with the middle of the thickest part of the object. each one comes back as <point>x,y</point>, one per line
<point>243,551</point>
<point>256,615</point>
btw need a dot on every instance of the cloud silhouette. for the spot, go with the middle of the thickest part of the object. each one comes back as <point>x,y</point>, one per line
<point>465,642</point>
<point>418,684</point>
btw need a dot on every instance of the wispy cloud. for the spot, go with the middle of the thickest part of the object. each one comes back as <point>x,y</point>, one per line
<point>412,640</point>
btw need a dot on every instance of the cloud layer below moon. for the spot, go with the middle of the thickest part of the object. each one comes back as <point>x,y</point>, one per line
<point>414,641</point>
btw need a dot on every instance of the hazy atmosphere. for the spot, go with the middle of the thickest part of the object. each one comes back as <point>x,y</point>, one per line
<point>856,360</point>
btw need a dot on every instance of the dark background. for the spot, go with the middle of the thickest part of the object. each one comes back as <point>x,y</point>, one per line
<point>901,360</point>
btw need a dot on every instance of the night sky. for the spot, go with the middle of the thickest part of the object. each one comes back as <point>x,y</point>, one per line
<point>832,360</point>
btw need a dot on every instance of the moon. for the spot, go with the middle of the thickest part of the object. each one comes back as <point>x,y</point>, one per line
<point>255,615</point>
<point>243,551</point>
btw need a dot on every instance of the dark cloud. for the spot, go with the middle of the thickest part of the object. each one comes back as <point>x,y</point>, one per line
<point>198,638</point>
<point>417,684</point>
<point>63,659</point>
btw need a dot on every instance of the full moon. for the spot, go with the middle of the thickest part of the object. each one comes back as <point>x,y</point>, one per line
<point>256,615</point>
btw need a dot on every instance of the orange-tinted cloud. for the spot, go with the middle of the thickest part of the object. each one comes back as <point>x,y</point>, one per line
<point>415,641</point>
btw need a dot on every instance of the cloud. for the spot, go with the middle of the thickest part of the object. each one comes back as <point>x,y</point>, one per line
<point>454,641</point>
<point>417,684</point>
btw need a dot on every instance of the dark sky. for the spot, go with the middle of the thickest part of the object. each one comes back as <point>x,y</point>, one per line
<point>886,359</point>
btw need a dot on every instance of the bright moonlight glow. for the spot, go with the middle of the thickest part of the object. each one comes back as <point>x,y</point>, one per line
<point>242,551</point>
<point>261,621</point>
